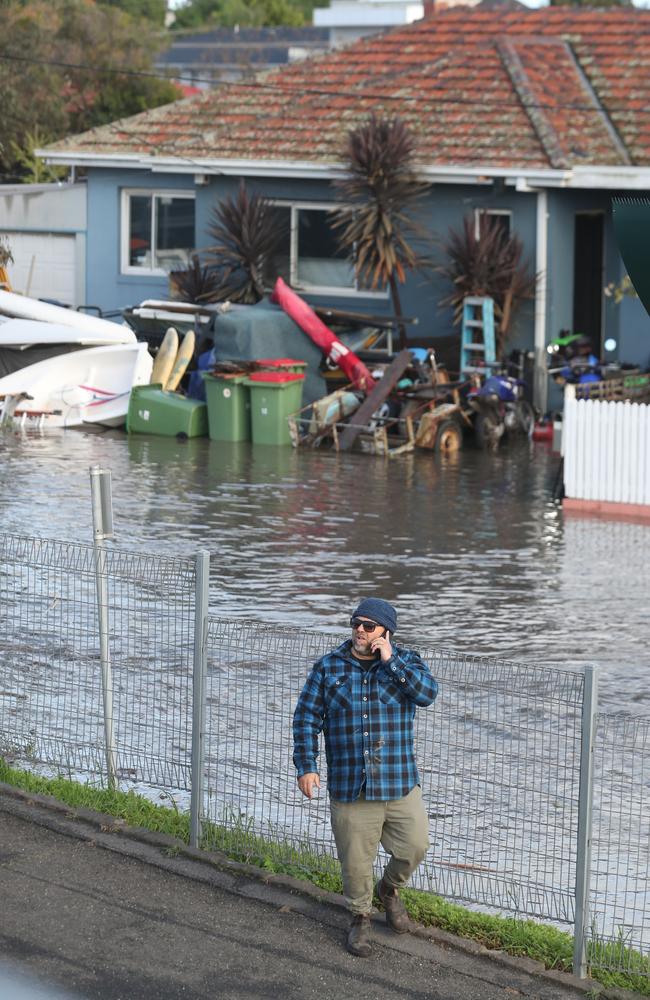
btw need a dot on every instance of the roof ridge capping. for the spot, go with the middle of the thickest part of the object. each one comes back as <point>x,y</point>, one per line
<point>606,121</point>
<point>554,142</point>
<point>547,135</point>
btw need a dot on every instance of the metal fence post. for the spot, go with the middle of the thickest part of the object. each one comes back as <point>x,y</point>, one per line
<point>583,853</point>
<point>102,505</point>
<point>198,693</point>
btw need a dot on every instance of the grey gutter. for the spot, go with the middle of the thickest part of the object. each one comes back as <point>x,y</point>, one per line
<point>611,177</point>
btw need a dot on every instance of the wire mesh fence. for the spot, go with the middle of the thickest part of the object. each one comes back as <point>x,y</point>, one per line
<point>618,934</point>
<point>499,752</point>
<point>51,704</point>
<point>254,675</point>
<point>499,758</point>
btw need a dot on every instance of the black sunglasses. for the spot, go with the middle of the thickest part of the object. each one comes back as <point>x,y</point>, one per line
<point>366,626</point>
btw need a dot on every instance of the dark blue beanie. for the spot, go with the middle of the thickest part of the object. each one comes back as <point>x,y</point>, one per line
<point>378,611</point>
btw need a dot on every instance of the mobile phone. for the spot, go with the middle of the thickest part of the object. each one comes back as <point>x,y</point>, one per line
<point>386,635</point>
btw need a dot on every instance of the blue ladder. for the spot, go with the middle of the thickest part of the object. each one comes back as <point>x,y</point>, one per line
<point>477,343</point>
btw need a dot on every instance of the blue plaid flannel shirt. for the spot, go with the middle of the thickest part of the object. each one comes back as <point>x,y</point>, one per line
<point>367,718</point>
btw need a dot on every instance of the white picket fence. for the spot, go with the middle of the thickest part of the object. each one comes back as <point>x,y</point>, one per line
<point>606,448</point>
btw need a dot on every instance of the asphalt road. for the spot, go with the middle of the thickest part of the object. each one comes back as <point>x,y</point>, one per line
<point>105,918</point>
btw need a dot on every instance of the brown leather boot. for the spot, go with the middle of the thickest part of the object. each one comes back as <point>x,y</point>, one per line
<point>358,942</point>
<point>396,916</point>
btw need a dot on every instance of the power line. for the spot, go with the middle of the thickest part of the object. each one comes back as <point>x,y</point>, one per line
<point>59,64</point>
<point>260,85</point>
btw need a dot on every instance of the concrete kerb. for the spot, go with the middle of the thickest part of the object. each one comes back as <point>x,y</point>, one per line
<point>113,833</point>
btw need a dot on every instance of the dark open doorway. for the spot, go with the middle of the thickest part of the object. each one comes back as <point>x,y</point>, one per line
<point>588,277</point>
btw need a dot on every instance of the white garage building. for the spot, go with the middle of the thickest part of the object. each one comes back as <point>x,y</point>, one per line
<point>45,228</point>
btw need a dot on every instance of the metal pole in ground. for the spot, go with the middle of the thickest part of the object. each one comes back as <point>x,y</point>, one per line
<point>583,854</point>
<point>102,504</point>
<point>198,693</point>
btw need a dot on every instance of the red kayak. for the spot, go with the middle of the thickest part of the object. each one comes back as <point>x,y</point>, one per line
<point>309,323</point>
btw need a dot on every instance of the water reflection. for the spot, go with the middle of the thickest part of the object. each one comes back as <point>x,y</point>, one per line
<point>472,549</point>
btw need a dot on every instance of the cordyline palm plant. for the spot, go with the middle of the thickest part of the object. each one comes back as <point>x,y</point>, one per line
<point>196,283</point>
<point>487,263</point>
<point>247,233</point>
<point>375,227</point>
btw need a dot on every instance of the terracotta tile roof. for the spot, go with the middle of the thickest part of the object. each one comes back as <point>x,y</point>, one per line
<point>562,107</point>
<point>544,88</point>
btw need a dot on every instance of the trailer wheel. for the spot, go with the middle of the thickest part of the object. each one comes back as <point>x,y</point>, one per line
<point>449,438</point>
<point>487,431</point>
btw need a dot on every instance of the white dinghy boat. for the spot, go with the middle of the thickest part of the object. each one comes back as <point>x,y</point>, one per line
<point>60,368</point>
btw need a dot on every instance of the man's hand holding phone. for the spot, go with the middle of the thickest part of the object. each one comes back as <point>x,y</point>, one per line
<point>382,646</point>
<point>307,783</point>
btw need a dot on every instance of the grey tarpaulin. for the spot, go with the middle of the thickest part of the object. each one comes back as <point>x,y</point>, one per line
<point>265,331</point>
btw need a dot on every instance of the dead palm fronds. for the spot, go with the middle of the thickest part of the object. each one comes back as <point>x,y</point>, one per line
<point>487,263</point>
<point>380,187</point>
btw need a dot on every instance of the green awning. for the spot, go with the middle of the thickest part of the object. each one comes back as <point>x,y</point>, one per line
<point>632,227</point>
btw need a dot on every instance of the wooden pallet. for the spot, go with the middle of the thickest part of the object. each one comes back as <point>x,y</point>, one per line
<point>633,387</point>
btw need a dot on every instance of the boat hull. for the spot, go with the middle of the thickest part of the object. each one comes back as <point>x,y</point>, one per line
<point>91,327</point>
<point>83,387</point>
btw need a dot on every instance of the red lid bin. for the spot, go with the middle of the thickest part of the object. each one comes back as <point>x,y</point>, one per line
<point>274,397</point>
<point>286,364</point>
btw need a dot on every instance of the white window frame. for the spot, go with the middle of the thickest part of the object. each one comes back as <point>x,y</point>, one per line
<point>478,212</point>
<point>153,193</point>
<point>342,291</point>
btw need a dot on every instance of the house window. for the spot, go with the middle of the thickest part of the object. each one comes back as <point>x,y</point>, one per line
<point>308,256</point>
<point>502,217</point>
<point>157,231</point>
<point>279,265</point>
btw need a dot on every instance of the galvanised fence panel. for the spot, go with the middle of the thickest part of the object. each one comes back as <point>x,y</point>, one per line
<point>51,706</point>
<point>254,676</point>
<point>501,760</point>
<point>499,756</point>
<point>618,935</point>
<point>499,752</point>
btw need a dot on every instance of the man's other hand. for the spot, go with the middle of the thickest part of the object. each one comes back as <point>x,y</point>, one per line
<point>307,783</point>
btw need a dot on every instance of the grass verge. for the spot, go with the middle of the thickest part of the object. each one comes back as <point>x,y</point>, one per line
<point>552,947</point>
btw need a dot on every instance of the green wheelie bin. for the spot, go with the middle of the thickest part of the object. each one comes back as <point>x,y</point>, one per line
<point>152,410</point>
<point>274,397</point>
<point>229,411</point>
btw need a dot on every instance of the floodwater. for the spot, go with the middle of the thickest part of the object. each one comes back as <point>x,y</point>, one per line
<point>473,550</point>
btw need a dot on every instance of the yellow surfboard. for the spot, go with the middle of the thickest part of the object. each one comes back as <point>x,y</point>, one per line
<point>183,358</point>
<point>165,358</point>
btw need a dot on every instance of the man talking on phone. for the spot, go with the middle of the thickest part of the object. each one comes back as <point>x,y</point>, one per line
<point>363,696</point>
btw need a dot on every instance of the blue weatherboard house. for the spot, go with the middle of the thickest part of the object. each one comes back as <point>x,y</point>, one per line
<point>538,117</point>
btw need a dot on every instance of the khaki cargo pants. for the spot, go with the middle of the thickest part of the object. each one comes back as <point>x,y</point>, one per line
<point>400,825</point>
